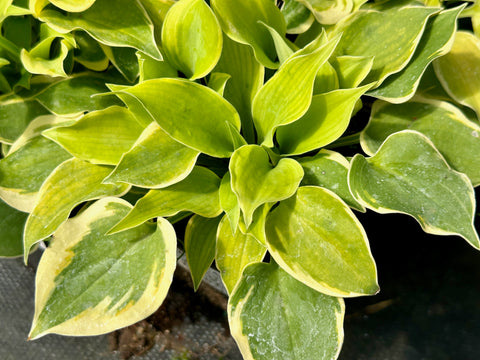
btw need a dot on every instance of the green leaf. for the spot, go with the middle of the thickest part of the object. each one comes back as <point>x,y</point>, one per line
<point>73,5</point>
<point>329,169</point>
<point>256,181</point>
<point>89,53</point>
<point>297,17</point>
<point>218,81</point>
<point>287,95</point>
<point>459,70</point>
<point>436,41</point>
<point>229,202</point>
<point>122,23</point>
<point>151,68</point>
<point>23,171</point>
<point>297,322</point>
<point>200,127</point>
<point>100,137</point>
<point>234,251</point>
<point>352,70</point>
<point>247,76</point>
<point>408,175</point>
<point>282,45</point>
<point>12,223</point>
<point>125,61</point>
<point>316,238</point>
<point>157,10</point>
<point>154,161</point>
<point>192,38</point>
<point>73,95</point>
<point>16,113</point>
<point>389,36</point>
<point>89,283</point>
<point>200,239</point>
<point>71,183</point>
<point>324,122</point>
<point>326,79</point>
<point>197,193</point>
<point>328,12</point>
<point>456,137</point>
<point>242,22</point>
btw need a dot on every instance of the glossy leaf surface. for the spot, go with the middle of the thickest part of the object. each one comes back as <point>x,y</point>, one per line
<point>89,283</point>
<point>297,321</point>
<point>408,175</point>
<point>316,227</point>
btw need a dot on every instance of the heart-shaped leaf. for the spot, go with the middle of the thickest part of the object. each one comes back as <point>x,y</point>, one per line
<point>408,175</point>
<point>452,133</point>
<point>154,161</point>
<point>197,193</point>
<point>192,38</point>
<point>297,322</point>
<point>89,283</point>
<point>256,181</point>
<point>203,128</point>
<point>234,251</point>
<point>71,183</point>
<point>316,227</point>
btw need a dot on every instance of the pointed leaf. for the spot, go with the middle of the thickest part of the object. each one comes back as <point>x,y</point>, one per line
<point>297,322</point>
<point>192,38</point>
<point>316,227</point>
<point>200,127</point>
<point>200,238</point>
<point>326,79</point>
<point>122,23</point>
<point>282,47</point>
<point>324,122</point>
<point>456,137</point>
<point>89,283</point>
<point>256,181</point>
<point>287,95</point>
<point>241,21</point>
<point>247,76</point>
<point>73,95</point>
<point>154,161</point>
<point>71,183</point>
<point>12,223</point>
<point>436,41</point>
<point>408,175</point>
<point>329,169</point>
<point>100,137</point>
<point>197,193</point>
<point>390,36</point>
<point>459,70</point>
<point>234,251</point>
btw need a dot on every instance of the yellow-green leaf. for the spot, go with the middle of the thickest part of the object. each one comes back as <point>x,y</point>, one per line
<point>242,22</point>
<point>154,161</point>
<point>287,95</point>
<point>256,181</point>
<point>71,183</point>
<point>408,175</point>
<point>200,127</point>
<point>192,38</point>
<point>73,5</point>
<point>316,238</point>
<point>297,322</point>
<point>459,70</point>
<point>234,251</point>
<point>330,11</point>
<point>100,137</point>
<point>197,193</point>
<point>89,283</point>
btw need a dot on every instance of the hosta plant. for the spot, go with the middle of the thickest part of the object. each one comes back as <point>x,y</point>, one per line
<point>261,126</point>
